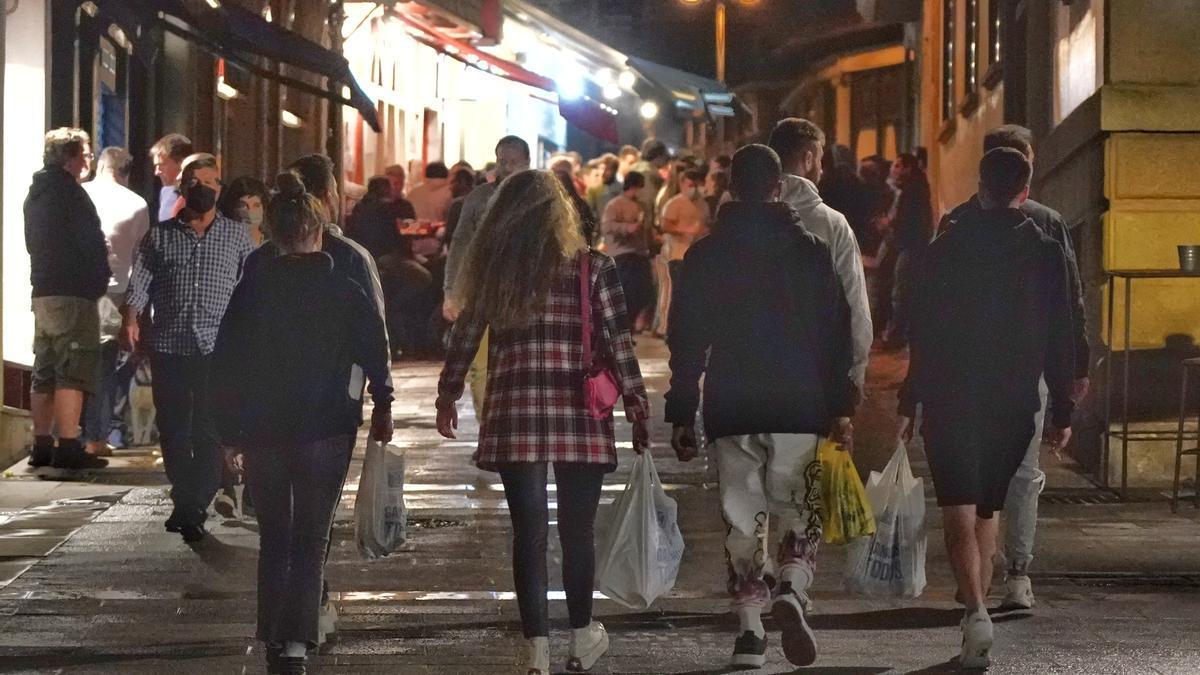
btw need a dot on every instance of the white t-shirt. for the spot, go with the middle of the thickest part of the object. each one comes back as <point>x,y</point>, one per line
<point>125,219</point>
<point>167,196</point>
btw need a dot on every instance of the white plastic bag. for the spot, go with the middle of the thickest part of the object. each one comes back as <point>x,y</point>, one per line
<point>380,521</point>
<point>637,557</point>
<point>891,561</point>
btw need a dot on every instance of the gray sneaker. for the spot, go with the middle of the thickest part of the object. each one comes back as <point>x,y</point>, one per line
<point>799,641</point>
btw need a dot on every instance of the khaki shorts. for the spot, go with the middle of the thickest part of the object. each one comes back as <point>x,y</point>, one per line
<point>66,344</point>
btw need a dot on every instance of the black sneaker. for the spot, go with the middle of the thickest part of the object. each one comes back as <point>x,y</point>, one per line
<point>193,533</point>
<point>174,521</point>
<point>70,455</point>
<point>799,642</point>
<point>41,455</point>
<point>750,651</point>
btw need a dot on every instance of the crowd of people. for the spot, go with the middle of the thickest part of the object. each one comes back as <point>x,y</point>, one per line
<point>265,327</point>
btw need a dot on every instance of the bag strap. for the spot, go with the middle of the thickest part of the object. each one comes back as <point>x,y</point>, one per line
<point>585,306</point>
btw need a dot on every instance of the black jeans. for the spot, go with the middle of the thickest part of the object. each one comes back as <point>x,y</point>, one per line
<point>578,495</point>
<point>190,442</point>
<point>296,490</point>
<point>637,281</point>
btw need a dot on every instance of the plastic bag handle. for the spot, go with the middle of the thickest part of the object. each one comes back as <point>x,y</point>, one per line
<point>651,469</point>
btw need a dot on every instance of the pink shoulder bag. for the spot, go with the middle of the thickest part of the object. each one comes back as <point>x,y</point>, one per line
<point>600,391</point>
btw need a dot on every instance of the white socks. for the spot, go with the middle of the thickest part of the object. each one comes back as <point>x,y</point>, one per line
<point>296,649</point>
<point>750,619</point>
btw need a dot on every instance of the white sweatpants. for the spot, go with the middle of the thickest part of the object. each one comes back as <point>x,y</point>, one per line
<point>760,476</point>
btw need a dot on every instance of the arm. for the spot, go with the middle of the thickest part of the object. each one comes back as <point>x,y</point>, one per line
<point>609,298</point>
<point>847,259</point>
<point>464,231</point>
<point>366,275</point>
<point>1060,346</point>
<point>371,348</point>
<point>465,336</point>
<point>230,363</point>
<point>145,262</point>
<point>688,339</point>
<point>89,236</point>
<point>1082,360</point>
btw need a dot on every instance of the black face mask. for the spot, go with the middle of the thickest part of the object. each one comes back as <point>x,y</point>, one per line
<point>200,198</point>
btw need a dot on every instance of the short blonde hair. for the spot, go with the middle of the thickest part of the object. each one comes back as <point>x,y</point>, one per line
<point>63,145</point>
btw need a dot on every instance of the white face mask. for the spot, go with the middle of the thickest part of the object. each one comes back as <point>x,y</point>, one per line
<point>250,215</point>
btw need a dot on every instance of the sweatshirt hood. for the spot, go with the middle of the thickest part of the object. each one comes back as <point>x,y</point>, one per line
<point>50,178</point>
<point>736,217</point>
<point>800,193</point>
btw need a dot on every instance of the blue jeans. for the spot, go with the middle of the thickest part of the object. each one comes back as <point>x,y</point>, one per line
<point>99,411</point>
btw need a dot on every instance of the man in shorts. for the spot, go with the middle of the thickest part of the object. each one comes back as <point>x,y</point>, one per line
<point>68,262</point>
<point>992,316</point>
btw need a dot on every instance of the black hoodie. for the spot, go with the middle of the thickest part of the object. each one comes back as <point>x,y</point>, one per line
<point>991,314</point>
<point>68,254</point>
<point>759,300</point>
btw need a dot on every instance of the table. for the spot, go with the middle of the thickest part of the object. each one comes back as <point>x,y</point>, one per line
<point>1128,275</point>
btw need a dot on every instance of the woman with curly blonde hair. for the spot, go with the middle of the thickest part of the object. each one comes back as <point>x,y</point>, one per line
<point>523,281</point>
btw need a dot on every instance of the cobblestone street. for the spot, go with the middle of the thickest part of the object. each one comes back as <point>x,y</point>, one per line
<point>90,581</point>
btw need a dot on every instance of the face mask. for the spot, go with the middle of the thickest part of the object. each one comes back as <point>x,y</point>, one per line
<point>251,217</point>
<point>200,198</point>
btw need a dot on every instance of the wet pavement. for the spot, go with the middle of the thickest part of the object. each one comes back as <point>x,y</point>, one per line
<point>90,582</point>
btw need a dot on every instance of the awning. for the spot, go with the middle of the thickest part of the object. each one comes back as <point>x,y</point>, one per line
<point>239,35</point>
<point>690,93</point>
<point>595,118</point>
<point>431,36</point>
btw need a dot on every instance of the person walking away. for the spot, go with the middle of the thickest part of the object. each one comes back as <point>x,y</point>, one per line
<point>800,145</point>
<point>124,219</point>
<point>776,380</point>
<point>1005,284</point>
<point>625,240</point>
<point>168,154</point>
<point>522,281</point>
<point>186,269</point>
<point>912,223</point>
<point>512,156</point>
<point>431,198</point>
<point>685,218</point>
<point>244,201</point>
<point>288,398</point>
<point>1021,502</point>
<point>69,272</point>
<point>350,260</point>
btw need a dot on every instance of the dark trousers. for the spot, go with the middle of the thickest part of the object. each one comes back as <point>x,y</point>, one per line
<point>98,410</point>
<point>295,490</point>
<point>637,281</point>
<point>190,442</point>
<point>578,495</point>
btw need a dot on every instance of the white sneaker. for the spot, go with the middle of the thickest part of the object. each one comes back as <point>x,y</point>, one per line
<point>587,646</point>
<point>326,623</point>
<point>1018,593</point>
<point>537,661</point>
<point>976,641</point>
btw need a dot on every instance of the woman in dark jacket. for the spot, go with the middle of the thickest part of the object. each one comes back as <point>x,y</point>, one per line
<point>290,358</point>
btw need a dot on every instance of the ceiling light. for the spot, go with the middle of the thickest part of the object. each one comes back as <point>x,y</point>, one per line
<point>649,110</point>
<point>215,4</point>
<point>290,119</point>
<point>627,79</point>
<point>604,77</point>
<point>612,91</point>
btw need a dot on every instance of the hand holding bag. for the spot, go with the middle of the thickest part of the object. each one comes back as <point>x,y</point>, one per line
<point>600,391</point>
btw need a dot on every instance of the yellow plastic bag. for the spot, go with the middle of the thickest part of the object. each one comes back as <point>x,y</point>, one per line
<point>845,512</point>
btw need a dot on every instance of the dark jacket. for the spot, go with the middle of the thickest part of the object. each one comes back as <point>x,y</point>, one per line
<point>67,251</point>
<point>762,294</point>
<point>284,370</point>
<point>1051,223</point>
<point>373,225</point>
<point>991,314</point>
<point>913,222</point>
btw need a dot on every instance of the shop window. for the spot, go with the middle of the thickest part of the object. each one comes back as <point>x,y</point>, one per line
<point>971,58</point>
<point>948,62</point>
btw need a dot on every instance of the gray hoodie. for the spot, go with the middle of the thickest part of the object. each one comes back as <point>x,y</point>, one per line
<point>833,228</point>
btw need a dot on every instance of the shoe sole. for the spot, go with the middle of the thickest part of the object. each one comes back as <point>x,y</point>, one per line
<point>976,662</point>
<point>1010,604</point>
<point>584,663</point>
<point>748,661</point>
<point>798,641</point>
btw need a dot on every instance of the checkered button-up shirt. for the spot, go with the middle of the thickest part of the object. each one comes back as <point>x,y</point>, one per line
<point>187,279</point>
<point>534,408</point>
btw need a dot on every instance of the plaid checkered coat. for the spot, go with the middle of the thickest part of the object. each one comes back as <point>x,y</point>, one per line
<point>534,409</point>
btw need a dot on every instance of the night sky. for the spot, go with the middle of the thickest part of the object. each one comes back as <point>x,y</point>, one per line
<point>681,35</point>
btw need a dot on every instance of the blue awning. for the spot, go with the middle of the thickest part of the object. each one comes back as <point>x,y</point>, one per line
<point>690,93</point>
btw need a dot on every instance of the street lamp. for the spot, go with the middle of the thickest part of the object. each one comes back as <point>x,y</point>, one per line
<point>722,6</point>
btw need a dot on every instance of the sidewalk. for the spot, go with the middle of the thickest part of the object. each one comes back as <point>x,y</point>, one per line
<point>107,590</point>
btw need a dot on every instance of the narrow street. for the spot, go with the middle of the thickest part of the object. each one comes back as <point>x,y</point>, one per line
<point>90,581</point>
